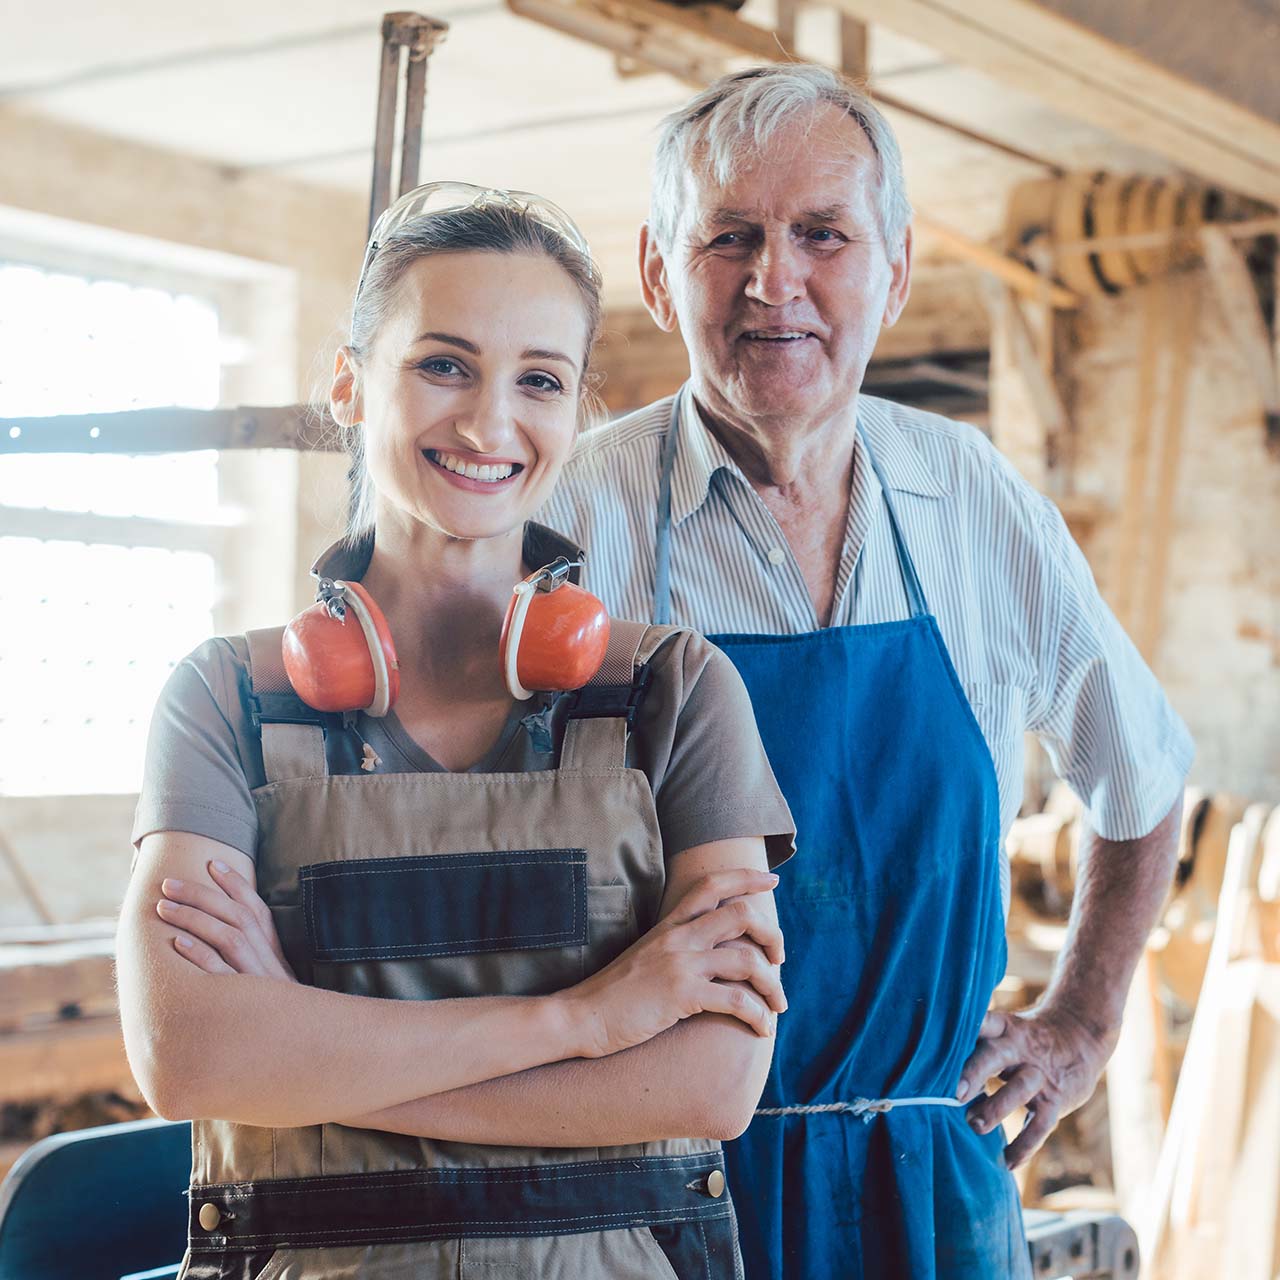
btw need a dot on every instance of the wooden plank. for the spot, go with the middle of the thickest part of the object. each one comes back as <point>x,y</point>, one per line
<point>1017,275</point>
<point>41,934</point>
<point>64,1060</point>
<point>39,982</point>
<point>172,430</point>
<point>1185,307</point>
<point>1249,1207</point>
<point>1045,399</point>
<point>1242,313</point>
<point>855,47</point>
<point>1165,1208</point>
<point>1135,1112</point>
<point>1133,505</point>
<point>1088,77</point>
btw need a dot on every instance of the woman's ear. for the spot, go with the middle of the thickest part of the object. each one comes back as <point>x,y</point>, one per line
<point>345,400</point>
<point>653,281</point>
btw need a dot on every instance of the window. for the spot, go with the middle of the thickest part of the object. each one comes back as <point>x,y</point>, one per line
<point>107,562</point>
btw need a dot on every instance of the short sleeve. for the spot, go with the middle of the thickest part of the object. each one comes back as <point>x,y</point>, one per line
<point>1102,716</point>
<point>198,760</point>
<point>696,738</point>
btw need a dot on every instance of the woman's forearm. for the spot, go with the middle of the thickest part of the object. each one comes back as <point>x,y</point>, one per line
<point>279,1054</point>
<point>700,1079</point>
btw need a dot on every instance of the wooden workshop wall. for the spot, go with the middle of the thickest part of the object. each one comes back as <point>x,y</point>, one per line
<point>71,173</point>
<point>78,847</point>
<point>1196,580</point>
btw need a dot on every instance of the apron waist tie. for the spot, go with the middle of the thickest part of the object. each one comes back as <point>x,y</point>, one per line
<point>863,1108</point>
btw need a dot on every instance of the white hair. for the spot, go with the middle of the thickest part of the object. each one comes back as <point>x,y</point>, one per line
<point>733,121</point>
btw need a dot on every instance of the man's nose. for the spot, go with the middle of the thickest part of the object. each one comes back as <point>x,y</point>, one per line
<point>778,272</point>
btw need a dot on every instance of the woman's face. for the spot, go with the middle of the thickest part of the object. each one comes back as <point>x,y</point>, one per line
<point>470,394</point>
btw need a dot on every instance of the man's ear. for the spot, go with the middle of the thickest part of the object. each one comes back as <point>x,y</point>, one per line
<point>900,286</point>
<point>345,400</point>
<point>653,281</point>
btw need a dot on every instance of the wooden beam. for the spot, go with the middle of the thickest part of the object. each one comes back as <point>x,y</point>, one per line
<point>1242,313</point>
<point>1086,76</point>
<point>38,983</point>
<point>1017,275</point>
<point>855,47</point>
<point>64,1060</point>
<point>172,430</point>
<point>1052,413</point>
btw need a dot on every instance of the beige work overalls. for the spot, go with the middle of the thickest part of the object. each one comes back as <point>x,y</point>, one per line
<point>425,886</point>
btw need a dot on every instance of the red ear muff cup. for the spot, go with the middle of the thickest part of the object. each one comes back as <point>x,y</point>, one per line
<point>562,641</point>
<point>343,664</point>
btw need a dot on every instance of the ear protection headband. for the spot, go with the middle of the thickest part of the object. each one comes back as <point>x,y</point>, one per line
<point>340,657</point>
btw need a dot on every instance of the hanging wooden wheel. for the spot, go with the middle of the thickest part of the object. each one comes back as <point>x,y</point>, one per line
<point>1137,220</point>
<point>1155,210</point>
<point>1110,203</point>
<point>1072,223</point>
<point>1029,213</point>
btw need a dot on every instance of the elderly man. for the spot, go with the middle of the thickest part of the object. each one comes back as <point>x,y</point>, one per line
<point>902,607</point>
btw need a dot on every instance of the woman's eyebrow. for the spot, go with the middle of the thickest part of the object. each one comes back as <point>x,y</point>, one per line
<point>539,353</point>
<point>451,339</point>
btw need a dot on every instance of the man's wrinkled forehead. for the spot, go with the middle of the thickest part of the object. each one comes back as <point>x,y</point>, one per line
<point>824,166</point>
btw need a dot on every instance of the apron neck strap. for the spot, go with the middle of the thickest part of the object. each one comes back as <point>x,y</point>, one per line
<point>916,604</point>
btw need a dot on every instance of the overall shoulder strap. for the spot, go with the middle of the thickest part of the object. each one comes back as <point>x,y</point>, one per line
<point>601,713</point>
<point>292,732</point>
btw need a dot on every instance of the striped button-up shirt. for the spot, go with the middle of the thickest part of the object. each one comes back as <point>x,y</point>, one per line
<point>1034,646</point>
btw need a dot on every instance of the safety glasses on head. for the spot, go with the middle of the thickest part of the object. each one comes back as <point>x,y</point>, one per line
<point>445,197</point>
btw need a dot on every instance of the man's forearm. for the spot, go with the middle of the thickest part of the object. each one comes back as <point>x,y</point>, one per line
<point>700,1079</point>
<point>1120,888</point>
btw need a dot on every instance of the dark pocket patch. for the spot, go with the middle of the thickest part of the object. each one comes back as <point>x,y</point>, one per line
<point>451,904</point>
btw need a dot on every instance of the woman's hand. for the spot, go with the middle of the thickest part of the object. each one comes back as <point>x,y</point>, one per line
<point>684,965</point>
<point>226,932</point>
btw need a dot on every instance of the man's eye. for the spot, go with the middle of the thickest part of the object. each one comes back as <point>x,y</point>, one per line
<point>726,240</point>
<point>824,235</point>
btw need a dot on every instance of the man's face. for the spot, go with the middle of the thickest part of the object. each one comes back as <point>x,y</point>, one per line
<point>780,280</point>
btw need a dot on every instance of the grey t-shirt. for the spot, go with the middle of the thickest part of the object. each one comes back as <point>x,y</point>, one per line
<point>695,739</point>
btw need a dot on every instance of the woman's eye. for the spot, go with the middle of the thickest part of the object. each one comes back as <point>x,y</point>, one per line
<point>441,366</point>
<point>541,382</point>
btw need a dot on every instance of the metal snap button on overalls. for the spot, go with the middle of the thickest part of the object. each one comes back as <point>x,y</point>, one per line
<point>715,1184</point>
<point>210,1217</point>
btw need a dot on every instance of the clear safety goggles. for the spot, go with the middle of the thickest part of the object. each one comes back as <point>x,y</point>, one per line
<point>444,197</point>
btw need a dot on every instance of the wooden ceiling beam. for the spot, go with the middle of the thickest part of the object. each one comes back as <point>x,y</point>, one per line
<point>1086,76</point>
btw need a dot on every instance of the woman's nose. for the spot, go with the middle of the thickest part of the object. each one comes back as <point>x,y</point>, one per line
<point>486,421</point>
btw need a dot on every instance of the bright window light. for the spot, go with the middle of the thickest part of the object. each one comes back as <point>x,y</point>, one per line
<point>102,625</point>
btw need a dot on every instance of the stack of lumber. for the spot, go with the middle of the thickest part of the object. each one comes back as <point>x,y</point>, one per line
<point>1213,1208</point>
<point>1190,1106</point>
<point>60,1037</point>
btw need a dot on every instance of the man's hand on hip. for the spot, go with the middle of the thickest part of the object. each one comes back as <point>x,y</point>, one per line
<point>1049,1060</point>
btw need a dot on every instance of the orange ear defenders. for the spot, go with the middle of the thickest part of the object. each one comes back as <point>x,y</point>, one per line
<point>339,655</point>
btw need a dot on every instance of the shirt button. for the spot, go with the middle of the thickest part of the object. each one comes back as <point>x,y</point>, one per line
<point>210,1217</point>
<point>715,1184</point>
<point>776,555</point>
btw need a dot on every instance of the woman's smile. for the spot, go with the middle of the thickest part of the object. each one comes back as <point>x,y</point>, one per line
<point>492,475</point>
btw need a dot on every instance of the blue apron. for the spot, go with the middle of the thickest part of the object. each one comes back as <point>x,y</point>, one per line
<point>895,941</point>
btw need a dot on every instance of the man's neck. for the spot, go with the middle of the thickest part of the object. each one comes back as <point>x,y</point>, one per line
<point>805,464</point>
<point>804,476</point>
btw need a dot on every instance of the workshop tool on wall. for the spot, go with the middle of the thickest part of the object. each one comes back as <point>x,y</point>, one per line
<point>408,40</point>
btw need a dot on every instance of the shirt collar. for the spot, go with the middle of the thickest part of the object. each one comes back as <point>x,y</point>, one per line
<point>699,455</point>
<point>349,561</point>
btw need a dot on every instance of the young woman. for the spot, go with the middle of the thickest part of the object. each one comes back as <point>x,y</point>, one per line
<point>473,987</point>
